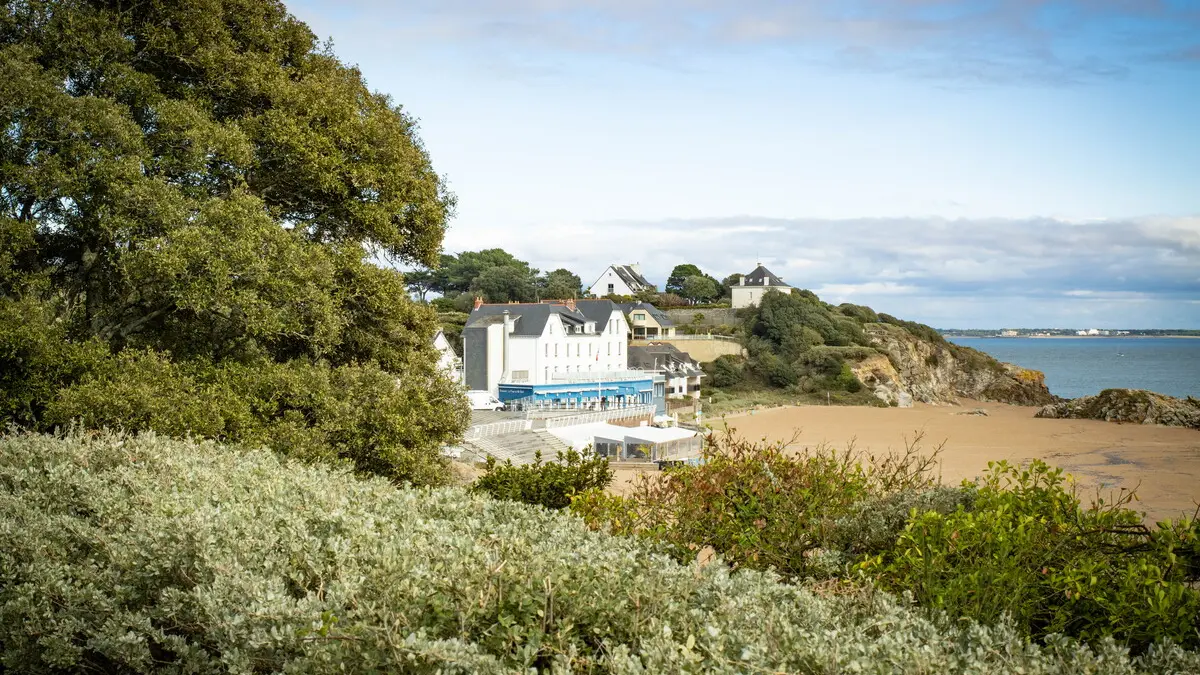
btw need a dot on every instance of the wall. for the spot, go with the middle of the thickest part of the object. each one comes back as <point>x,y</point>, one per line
<point>712,317</point>
<point>700,349</point>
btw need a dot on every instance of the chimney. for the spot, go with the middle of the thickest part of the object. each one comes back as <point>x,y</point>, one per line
<point>504,373</point>
<point>742,280</point>
<point>478,301</point>
<point>636,267</point>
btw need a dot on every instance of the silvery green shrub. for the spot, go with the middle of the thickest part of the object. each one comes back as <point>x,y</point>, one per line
<point>145,554</point>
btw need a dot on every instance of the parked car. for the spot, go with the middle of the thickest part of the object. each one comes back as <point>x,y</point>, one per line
<point>483,400</point>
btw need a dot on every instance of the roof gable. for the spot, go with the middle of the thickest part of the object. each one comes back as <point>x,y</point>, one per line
<point>761,276</point>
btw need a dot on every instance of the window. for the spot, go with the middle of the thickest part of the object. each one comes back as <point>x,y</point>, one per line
<point>556,349</point>
<point>589,349</point>
<point>610,289</point>
<point>610,349</point>
<point>547,349</point>
<point>520,376</point>
<point>619,344</point>
<point>577,348</point>
<point>639,316</point>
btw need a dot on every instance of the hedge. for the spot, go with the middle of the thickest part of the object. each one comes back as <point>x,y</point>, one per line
<point>143,554</point>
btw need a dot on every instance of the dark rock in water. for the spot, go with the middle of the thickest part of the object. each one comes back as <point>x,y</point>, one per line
<point>1135,406</point>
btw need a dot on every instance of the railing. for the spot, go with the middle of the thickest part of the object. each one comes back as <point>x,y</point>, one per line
<point>726,338</point>
<point>600,376</point>
<point>498,429</point>
<point>600,416</point>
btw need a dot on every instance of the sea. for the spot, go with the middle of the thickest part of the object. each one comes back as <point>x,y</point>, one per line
<point>1083,366</point>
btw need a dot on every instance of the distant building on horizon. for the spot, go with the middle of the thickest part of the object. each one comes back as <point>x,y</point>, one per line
<point>752,287</point>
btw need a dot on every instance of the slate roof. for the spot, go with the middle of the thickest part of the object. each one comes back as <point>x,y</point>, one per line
<point>664,357</point>
<point>659,315</point>
<point>762,276</point>
<point>632,278</point>
<point>530,318</point>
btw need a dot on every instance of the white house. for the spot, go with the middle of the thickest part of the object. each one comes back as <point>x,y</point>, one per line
<point>447,359</point>
<point>621,280</point>
<point>752,287</point>
<point>547,343</point>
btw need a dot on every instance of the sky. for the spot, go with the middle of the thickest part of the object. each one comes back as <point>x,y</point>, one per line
<point>981,164</point>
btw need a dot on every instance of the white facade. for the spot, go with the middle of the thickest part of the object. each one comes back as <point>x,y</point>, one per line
<point>537,359</point>
<point>611,283</point>
<point>749,295</point>
<point>448,361</point>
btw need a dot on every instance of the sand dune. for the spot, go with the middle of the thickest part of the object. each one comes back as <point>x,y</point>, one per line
<point>1162,462</point>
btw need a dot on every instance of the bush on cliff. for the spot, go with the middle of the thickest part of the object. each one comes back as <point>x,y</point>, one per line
<point>142,554</point>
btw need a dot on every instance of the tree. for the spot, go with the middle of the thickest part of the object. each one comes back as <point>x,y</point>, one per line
<point>463,270</point>
<point>504,284</point>
<point>560,284</point>
<point>678,275</point>
<point>729,282</point>
<point>420,282</point>
<point>700,288</point>
<point>211,185</point>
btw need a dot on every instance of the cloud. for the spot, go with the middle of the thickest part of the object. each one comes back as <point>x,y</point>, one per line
<point>972,42</point>
<point>962,272</point>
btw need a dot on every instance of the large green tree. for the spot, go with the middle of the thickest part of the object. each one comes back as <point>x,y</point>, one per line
<point>560,284</point>
<point>204,180</point>
<point>679,275</point>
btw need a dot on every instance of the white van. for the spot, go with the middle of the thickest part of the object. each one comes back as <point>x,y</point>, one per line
<point>483,400</point>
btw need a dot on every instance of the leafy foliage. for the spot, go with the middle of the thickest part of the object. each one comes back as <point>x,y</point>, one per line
<point>140,554</point>
<point>355,413</point>
<point>1016,545</point>
<point>758,505</point>
<point>1028,550</point>
<point>193,190</point>
<point>548,484</point>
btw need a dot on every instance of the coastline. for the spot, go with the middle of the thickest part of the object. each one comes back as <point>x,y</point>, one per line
<point>1070,337</point>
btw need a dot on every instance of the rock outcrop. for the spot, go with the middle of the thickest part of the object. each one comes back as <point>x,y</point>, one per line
<point>1134,406</point>
<point>941,372</point>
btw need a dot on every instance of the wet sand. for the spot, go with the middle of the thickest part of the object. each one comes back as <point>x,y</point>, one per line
<point>1162,462</point>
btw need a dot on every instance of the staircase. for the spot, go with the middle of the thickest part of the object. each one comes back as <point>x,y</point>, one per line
<point>554,443</point>
<point>519,447</point>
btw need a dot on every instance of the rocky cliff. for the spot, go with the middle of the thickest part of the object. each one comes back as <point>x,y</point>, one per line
<point>1135,406</point>
<point>941,372</point>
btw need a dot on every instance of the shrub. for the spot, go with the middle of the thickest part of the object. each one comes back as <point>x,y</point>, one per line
<point>757,504</point>
<point>1027,550</point>
<point>548,484</point>
<point>140,554</point>
<point>37,358</point>
<point>726,371</point>
<point>359,414</point>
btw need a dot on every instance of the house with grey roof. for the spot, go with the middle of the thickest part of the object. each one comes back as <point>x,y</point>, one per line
<point>751,287</point>
<point>621,280</point>
<point>682,372</point>
<point>568,351</point>
<point>647,322</point>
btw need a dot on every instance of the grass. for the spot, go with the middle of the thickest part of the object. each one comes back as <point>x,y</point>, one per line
<point>718,402</point>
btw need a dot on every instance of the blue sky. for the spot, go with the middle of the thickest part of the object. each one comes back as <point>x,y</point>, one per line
<point>967,164</point>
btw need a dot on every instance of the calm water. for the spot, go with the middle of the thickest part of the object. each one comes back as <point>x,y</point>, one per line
<point>1082,366</point>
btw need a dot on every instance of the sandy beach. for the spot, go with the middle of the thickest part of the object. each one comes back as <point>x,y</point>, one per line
<point>1162,462</point>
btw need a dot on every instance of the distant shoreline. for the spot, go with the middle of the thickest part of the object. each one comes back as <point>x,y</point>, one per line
<point>1070,337</point>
